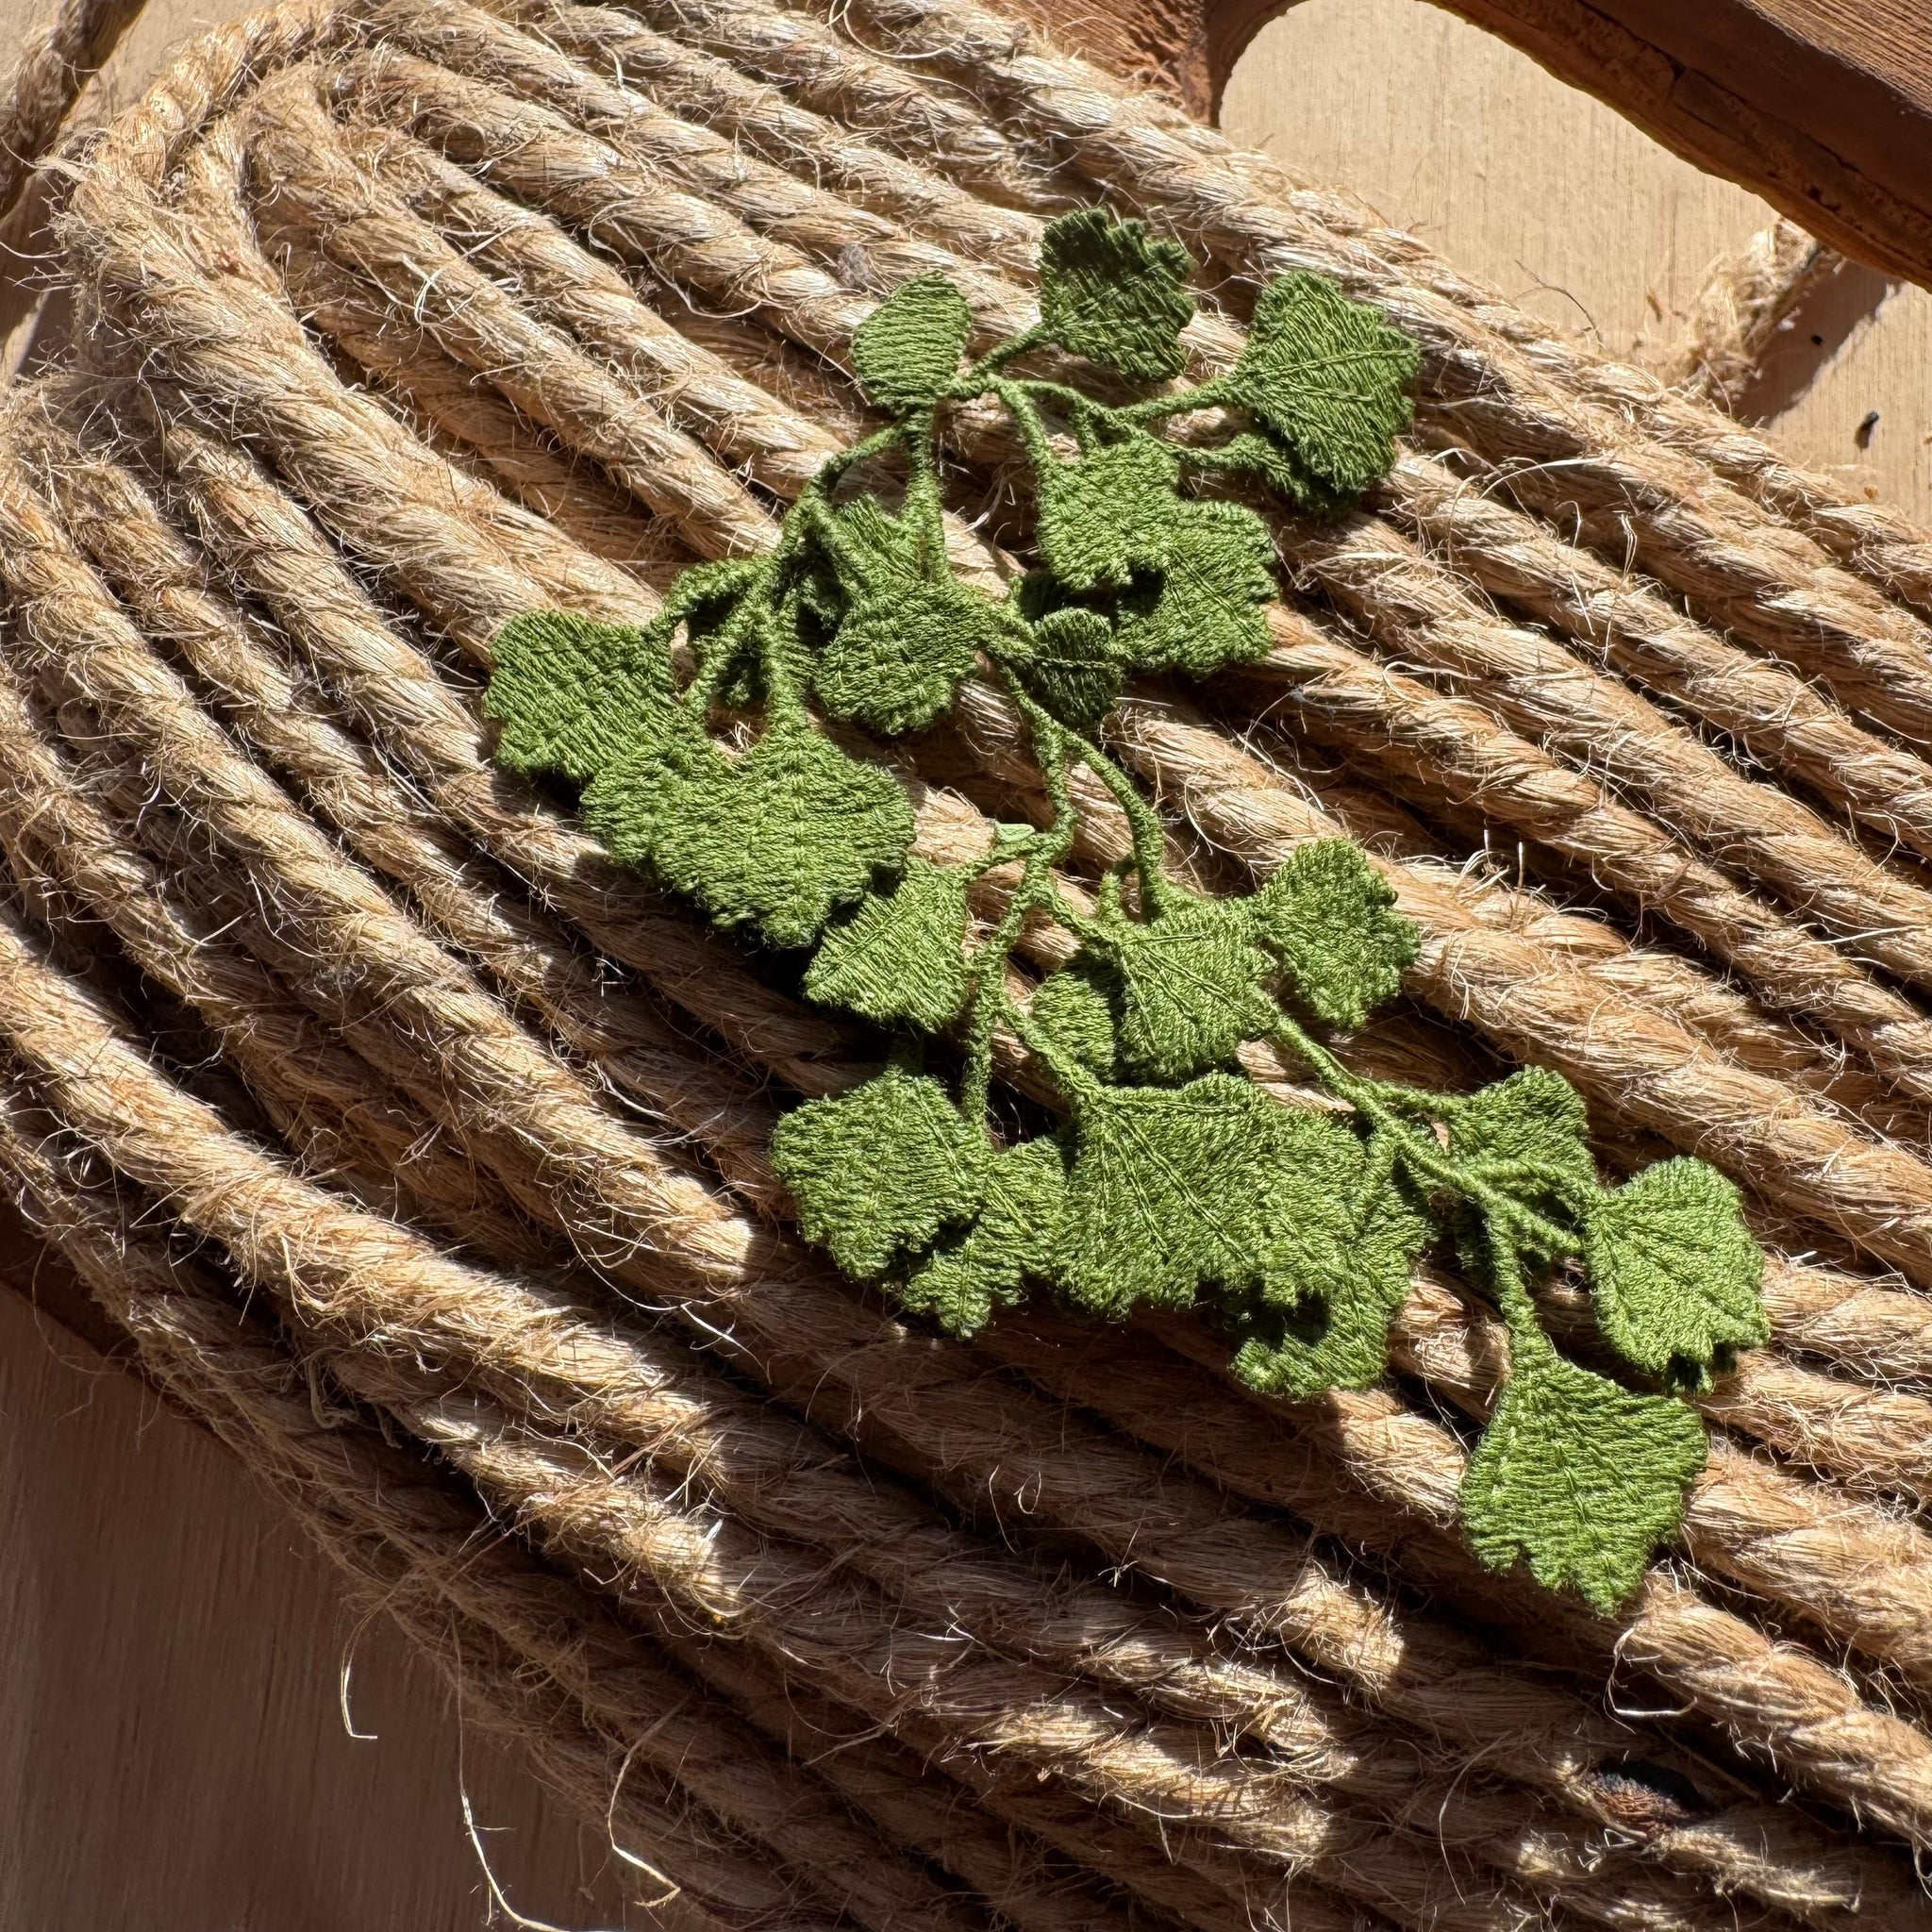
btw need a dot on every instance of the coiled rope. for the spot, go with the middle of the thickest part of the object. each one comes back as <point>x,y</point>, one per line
<point>407,318</point>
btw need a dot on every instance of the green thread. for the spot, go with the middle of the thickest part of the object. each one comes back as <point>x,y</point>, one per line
<point>1175,1182</point>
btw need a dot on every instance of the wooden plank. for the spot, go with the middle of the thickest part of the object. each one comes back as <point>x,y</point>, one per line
<point>1822,107</point>
<point>1573,213</point>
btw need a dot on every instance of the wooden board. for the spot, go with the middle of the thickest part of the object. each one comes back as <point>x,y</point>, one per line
<point>1576,215</point>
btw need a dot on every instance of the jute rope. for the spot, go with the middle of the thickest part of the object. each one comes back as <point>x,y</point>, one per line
<point>1746,298</point>
<point>605,280</point>
<point>58,60</point>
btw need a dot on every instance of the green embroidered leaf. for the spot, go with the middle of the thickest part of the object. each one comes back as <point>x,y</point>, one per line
<point>1674,1273</point>
<point>1529,1137</point>
<point>1189,987</point>
<point>1258,454</point>
<point>879,1171</point>
<point>1015,1241</point>
<point>706,594</point>
<point>572,696</point>
<point>901,955</point>
<point>1579,1477</point>
<point>1071,665</point>
<point>1111,292</point>
<point>894,663</point>
<point>1330,376</point>
<point>1171,1190</point>
<point>1208,608</point>
<point>1340,1271</point>
<point>907,350</point>
<point>733,834</point>
<point>1077,1016</point>
<point>1111,514</point>
<point>1326,913</point>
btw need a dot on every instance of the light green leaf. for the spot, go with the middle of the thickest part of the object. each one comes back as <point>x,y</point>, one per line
<point>1111,292</point>
<point>1579,1477</point>
<point>1189,987</point>
<point>1077,1015</point>
<point>1528,1137</point>
<point>1015,1240</point>
<point>1072,664</point>
<point>1340,1273</point>
<point>779,838</point>
<point>895,661</point>
<point>906,352</point>
<point>1674,1272</point>
<point>1111,514</point>
<point>1327,914</point>
<point>1208,608</point>
<point>1171,1190</point>
<point>879,1172</point>
<point>901,955</point>
<point>572,696</point>
<point>1328,376</point>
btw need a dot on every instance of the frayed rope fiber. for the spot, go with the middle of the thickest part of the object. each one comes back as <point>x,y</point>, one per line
<point>867,881</point>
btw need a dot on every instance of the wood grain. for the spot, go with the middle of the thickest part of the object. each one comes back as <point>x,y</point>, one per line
<point>1576,215</point>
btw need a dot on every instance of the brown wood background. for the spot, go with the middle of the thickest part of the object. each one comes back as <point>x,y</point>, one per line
<point>173,1746</point>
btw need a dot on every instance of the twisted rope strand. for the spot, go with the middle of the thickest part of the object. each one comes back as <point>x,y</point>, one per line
<point>294,423</point>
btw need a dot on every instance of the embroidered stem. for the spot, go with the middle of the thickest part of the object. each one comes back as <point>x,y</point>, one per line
<point>1175,1182</point>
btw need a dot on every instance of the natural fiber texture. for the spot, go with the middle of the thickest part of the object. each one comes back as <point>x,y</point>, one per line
<point>1736,314</point>
<point>1120,1639</point>
<point>58,60</point>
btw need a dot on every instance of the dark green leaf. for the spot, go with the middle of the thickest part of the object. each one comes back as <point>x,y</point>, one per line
<point>1579,1477</point>
<point>1190,986</point>
<point>572,696</point>
<point>907,350</point>
<point>1071,665</point>
<point>895,661</point>
<point>1015,1240</point>
<point>1077,1015</point>
<point>1329,377</point>
<point>1328,914</point>
<point>879,1172</point>
<point>1172,1190</point>
<point>1208,609</point>
<point>1112,292</point>
<point>1260,453</point>
<point>1528,1136</point>
<point>1673,1271</point>
<point>779,838</point>
<point>900,956</point>
<point>1110,514</point>
<point>1340,1273</point>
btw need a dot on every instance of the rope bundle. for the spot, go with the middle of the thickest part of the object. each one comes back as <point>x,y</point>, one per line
<point>405,319</point>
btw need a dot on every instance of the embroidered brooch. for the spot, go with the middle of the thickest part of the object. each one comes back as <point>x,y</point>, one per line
<point>1172,1180</point>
